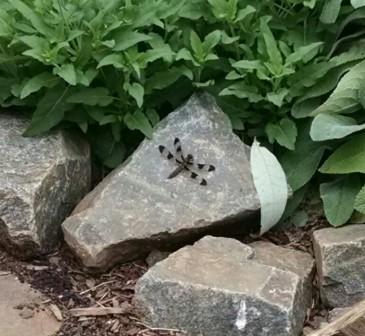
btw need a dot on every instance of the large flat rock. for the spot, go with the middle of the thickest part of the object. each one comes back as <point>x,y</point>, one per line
<point>22,311</point>
<point>340,258</point>
<point>137,209</point>
<point>41,180</point>
<point>220,286</point>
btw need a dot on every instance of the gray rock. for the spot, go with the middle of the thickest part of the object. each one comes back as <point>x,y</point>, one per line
<point>340,258</point>
<point>219,286</point>
<point>136,209</point>
<point>41,180</point>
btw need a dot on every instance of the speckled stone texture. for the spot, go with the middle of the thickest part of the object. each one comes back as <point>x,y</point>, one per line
<point>136,209</point>
<point>41,180</point>
<point>340,258</point>
<point>220,286</point>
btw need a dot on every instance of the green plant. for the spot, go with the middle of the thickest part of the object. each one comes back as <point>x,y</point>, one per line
<point>114,68</point>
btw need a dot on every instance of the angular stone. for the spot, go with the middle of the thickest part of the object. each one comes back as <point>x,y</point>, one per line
<point>22,311</point>
<point>41,180</point>
<point>340,258</point>
<point>220,286</point>
<point>136,209</point>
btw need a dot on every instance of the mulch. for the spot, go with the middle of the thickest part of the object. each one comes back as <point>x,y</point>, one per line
<point>61,279</point>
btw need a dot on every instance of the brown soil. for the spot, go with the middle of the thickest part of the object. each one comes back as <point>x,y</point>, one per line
<point>67,286</point>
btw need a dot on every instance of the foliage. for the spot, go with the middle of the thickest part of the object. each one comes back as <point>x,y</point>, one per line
<point>290,73</point>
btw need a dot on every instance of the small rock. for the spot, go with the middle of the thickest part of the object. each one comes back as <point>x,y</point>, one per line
<point>220,286</point>
<point>26,313</point>
<point>155,256</point>
<point>340,258</point>
<point>137,209</point>
<point>41,180</point>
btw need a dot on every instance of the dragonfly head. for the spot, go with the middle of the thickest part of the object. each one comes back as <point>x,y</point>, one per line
<point>189,158</point>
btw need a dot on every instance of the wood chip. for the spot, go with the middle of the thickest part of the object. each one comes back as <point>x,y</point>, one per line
<point>56,312</point>
<point>100,311</point>
<point>3,273</point>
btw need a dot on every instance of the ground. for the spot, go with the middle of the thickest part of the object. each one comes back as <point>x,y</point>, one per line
<point>61,278</point>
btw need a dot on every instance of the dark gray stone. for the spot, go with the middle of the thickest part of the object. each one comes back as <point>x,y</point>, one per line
<point>340,258</point>
<point>41,180</point>
<point>219,286</point>
<point>136,209</point>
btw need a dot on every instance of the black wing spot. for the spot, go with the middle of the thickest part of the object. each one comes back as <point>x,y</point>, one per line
<point>161,148</point>
<point>211,168</point>
<point>194,175</point>
<point>169,156</point>
<point>177,140</point>
<point>203,182</point>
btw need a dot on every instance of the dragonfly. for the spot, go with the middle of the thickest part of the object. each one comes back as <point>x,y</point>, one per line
<point>185,163</point>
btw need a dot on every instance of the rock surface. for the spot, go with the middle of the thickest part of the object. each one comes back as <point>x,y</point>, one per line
<point>22,312</point>
<point>136,209</point>
<point>340,258</point>
<point>41,180</point>
<point>220,286</point>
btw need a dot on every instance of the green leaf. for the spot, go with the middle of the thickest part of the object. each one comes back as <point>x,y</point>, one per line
<point>330,11</point>
<point>271,186</point>
<point>339,197</point>
<point>44,79</point>
<point>211,40</point>
<point>242,90</point>
<point>136,90</point>
<point>360,201</point>
<point>348,158</point>
<point>344,98</point>
<point>127,39</point>
<point>163,79</point>
<point>300,165</point>
<point>153,116</point>
<point>33,17</point>
<point>357,3</point>
<point>139,121</point>
<point>284,132</point>
<point>270,42</point>
<point>50,111</point>
<point>196,45</point>
<point>304,54</point>
<point>67,72</point>
<point>277,97</point>
<point>333,126</point>
<point>113,59</point>
<point>91,96</point>
<point>245,13</point>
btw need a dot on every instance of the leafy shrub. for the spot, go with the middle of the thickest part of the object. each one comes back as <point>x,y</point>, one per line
<point>116,67</point>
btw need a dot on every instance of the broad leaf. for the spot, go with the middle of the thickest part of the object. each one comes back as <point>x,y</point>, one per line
<point>304,54</point>
<point>333,126</point>
<point>91,96</point>
<point>136,90</point>
<point>277,98</point>
<point>45,79</point>
<point>344,98</point>
<point>357,3</point>
<point>138,121</point>
<point>348,158</point>
<point>300,165</point>
<point>360,201</point>
<point>339,197</point>
<point>50,111</point>
<point>270,42</point>
<point>127,39</point>
<point>242,90</point>
<point>330,11</point>
<point>284,132</point>
<point>67,72</point>
<point>270,183</point>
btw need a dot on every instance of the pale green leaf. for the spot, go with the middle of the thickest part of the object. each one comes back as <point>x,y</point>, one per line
<point>330,11</point>
<point>344,98</point>
<point>44,79</point>
<point>113,59</point>
<point>284,132</point>
<point>271,186</point>
<point>333,126</point>
<point>358,3</point>
<point>360,201</point>
<point>211,40</point>
<point>348,158</point>
<point>139,121</point>
<point>67,72</point>
<point>277,98</point>
<point>304,54</point>
<point>196,44</point>
<point>127,39</point>
<point>242,90</point>
<point>270,43</point>
<point>339,197</point>
<point>136,90</point>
